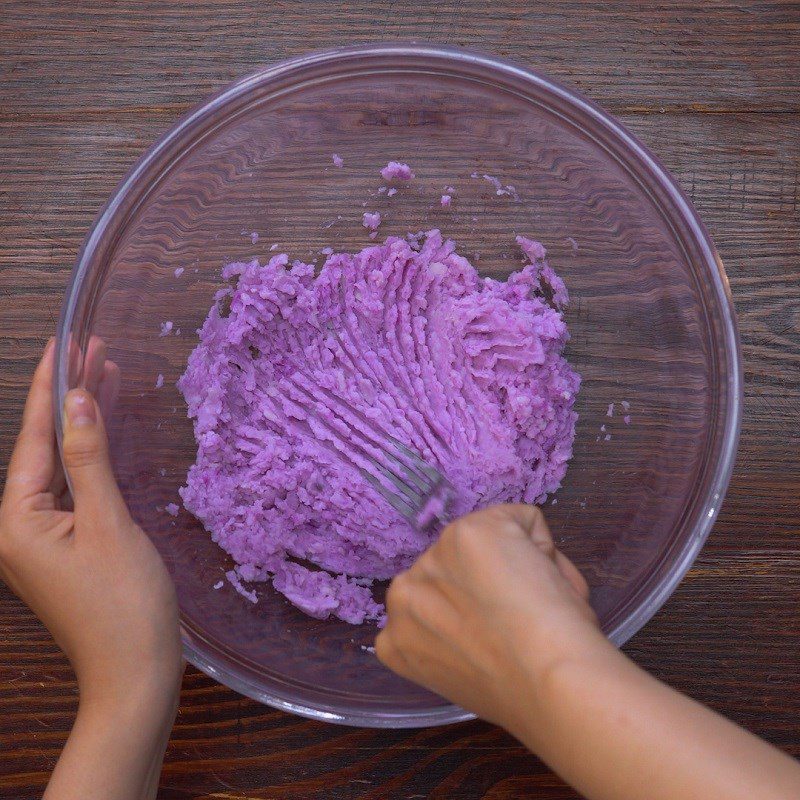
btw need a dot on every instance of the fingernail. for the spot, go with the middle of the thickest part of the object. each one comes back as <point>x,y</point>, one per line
<point>79,409</point>
<point>51,342</point>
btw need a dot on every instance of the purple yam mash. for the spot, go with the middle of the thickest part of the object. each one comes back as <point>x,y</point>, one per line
<point>467,371</point>
<point>397,171</point>
<point>371,220</point>
<point>500,190</point>
<point>338,161</point>
<point>236,582</point>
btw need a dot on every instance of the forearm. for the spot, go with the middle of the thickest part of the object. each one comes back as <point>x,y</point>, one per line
<point>616,733</point>
<point>115,751</point>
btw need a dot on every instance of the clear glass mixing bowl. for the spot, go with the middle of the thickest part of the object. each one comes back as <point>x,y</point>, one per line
<point>651,319</point>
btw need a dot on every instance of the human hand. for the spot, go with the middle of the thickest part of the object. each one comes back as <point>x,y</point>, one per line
<point>90,574</point>
<point>496,619</point>
<point>486,611</point>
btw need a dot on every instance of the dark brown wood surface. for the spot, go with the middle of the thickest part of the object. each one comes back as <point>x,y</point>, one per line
<point>713,88</point>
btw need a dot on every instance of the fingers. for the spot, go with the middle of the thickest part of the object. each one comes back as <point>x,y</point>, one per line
<point>105,392</point>
<point>530,522</point>
<point>34,460</point>
<point>533,520</point>
<point>393,651</point>
<point>74,362</point>
<point>34,467</point>
<point>390,655</point>
<point>417,664</point>
<point>85,450</point>
<point>539,531</point>
<point>94,364</point>
<point>108,389</point>
<point>573,575</point>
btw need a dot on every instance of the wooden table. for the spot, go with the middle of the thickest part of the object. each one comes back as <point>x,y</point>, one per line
<point>713,88</point>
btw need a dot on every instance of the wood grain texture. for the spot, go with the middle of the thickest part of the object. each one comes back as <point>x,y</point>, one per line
<point>712,88</point>
<point>678,55</point>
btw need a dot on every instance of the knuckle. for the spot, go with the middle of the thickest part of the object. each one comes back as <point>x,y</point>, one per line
<point>447,536</point>
<point>468,535</point>
<point>428,565</point>
<point>390,654</point>
<point>459,530</point>
<point>536,514</point>
<point>541,537</point>
<point>81,452</point>
<point>399,593</point>
<point>517,514</point>
<point>383,647</point>
<point>418,602</point>
<point>473,526</point>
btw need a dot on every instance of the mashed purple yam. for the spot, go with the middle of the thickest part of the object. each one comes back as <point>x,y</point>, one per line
<point>395,170</point>
<point>467,371</point>
<point>371,220</point>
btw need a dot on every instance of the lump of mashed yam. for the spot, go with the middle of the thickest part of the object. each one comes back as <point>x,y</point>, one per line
<point>467,371</point>
<point>395,170</point>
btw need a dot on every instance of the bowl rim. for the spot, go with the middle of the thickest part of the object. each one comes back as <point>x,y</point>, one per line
<point>498,68</point>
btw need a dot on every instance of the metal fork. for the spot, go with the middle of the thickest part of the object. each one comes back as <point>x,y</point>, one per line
<point>417,491</point>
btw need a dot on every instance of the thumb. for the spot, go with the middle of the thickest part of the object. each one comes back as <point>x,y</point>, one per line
<point>86,460</point>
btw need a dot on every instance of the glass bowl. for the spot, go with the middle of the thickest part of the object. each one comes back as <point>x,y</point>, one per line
<point>652,323</point>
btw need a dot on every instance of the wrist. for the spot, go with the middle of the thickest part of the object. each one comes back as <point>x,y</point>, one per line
<point>117,744</point>
<point>140,723</point>
<point>148,697</point>
<point>552,668</point>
